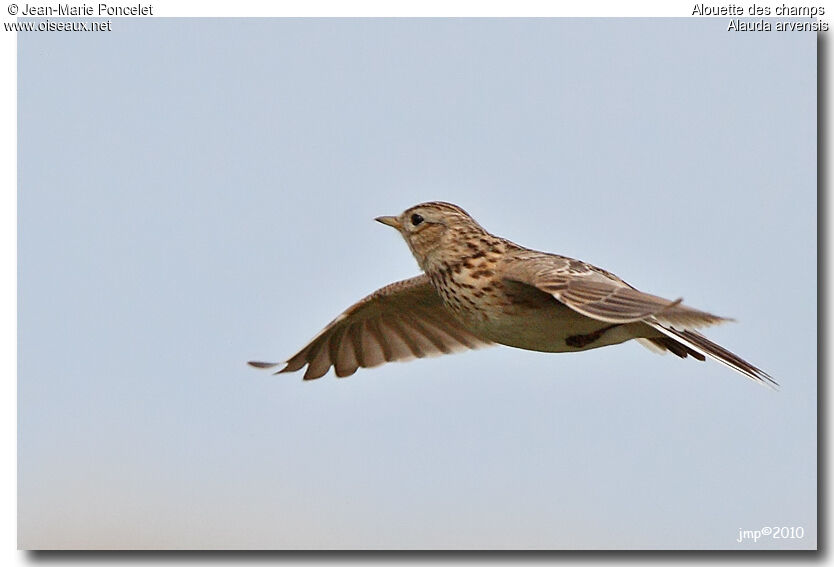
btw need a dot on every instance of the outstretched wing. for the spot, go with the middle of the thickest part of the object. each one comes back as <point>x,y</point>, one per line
<point>401,321</point>
<point>598,294</point>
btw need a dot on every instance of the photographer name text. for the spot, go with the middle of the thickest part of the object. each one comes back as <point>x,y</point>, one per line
<point>87,10</point>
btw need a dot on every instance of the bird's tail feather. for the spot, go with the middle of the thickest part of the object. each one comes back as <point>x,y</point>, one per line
<point>694,341</point>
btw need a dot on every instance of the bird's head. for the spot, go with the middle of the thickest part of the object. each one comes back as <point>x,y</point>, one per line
<point>432,229</point>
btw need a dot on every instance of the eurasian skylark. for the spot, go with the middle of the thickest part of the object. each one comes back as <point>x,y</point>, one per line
<point>478,289</point>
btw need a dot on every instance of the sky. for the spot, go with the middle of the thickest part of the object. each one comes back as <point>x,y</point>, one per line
<point>196,193</point>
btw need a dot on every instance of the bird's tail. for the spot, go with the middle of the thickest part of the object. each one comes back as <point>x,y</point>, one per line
<point>697,344</point>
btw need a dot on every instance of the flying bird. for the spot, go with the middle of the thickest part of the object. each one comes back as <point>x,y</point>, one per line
<point>478,289</point>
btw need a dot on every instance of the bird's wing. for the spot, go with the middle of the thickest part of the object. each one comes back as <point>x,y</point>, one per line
<point>601,295</point>
<point>400,321</point>
<point>598,294</point>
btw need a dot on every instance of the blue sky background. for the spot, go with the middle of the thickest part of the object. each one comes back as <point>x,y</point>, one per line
<point>197,193</point>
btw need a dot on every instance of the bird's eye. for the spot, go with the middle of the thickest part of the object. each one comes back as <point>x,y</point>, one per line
<point>416,219</point>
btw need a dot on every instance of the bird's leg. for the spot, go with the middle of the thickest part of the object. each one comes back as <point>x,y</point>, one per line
<point>579,341</point>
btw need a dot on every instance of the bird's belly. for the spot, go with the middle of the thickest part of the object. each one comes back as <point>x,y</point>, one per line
<point>554,328</point>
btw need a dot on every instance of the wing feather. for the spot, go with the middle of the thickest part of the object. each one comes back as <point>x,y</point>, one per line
<point>401,321</point>
<point>598,294</point>
<point>348,357</point>
<point>372,352</point>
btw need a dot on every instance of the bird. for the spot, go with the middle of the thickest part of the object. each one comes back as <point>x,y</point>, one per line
<point>478,289</point>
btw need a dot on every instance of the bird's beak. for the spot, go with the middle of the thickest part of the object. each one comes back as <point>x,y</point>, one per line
<point>390,221</point>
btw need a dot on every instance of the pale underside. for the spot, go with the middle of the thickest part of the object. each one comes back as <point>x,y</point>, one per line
<point>560,305</point>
